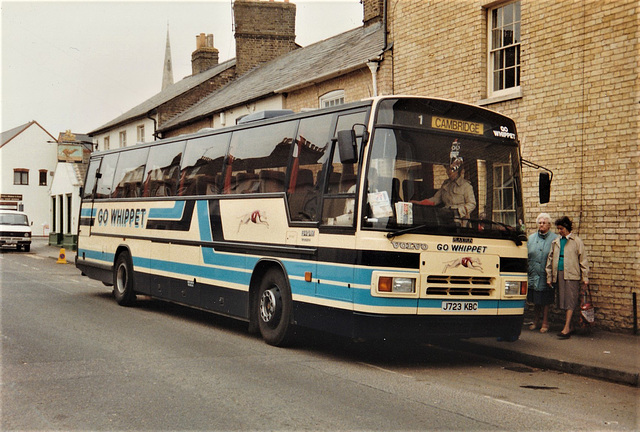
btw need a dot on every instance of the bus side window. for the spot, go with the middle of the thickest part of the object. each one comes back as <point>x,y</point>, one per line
<point>258,158</point>
<point>309,155</point>
<point>91,179</point>
<point>129,174</point>
<point>202,165</point>
<point>163,170</point>
<point>107,171</point>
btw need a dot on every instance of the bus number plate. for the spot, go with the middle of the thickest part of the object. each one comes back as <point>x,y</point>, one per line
<point>449,306</point>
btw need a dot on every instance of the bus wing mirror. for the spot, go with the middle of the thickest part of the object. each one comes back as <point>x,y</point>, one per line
<point>544,187</point>
<point>347,146</point>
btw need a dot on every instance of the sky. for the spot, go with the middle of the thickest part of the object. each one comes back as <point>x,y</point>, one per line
<point>76,65</point>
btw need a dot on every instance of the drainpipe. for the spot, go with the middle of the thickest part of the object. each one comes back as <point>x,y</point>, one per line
<point>155,125</point>
<point>373,67</point>
<point>384,23</point>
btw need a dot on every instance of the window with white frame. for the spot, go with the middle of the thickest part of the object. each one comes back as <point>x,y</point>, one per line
<point>504,49</point>
<point>332,98</point>
<point>106,143</point>
<point>123,138</point>
<point>140,133</point>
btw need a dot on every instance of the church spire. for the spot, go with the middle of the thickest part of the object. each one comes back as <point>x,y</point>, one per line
<point>167,74</point>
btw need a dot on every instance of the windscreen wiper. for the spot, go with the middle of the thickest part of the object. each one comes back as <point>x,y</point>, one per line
<point>406,231</point>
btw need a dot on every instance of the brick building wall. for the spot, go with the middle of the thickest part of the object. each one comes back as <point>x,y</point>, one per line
<point>577,114</point>
<point>357,85</point>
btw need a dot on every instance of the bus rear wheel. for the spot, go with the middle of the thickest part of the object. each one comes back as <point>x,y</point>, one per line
<point>275,309</point>
<point>123,287</point>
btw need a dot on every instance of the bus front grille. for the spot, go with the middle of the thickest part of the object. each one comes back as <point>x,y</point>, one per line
<point>459,286</point>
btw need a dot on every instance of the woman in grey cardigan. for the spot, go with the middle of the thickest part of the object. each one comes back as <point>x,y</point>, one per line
<point>568,267</point>
<point>540,294</point>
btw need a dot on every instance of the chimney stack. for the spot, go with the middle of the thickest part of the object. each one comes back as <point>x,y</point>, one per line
<point>264,30</point>
<point>372,11</point>
<point>205,56</point>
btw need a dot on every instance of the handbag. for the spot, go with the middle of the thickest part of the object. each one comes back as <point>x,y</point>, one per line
<point>587,310</point>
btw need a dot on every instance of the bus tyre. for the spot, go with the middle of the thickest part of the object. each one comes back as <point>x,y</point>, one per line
<point>275,309</point>
<point>123,289</point>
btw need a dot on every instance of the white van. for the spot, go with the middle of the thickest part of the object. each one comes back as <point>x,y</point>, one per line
<point>15,230</point>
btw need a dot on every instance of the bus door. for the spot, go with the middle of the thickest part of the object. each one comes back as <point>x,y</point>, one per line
<point>87,216</point>
<point>337,254</point>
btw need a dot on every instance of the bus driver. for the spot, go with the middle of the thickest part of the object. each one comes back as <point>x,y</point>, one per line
<point>456,192</point>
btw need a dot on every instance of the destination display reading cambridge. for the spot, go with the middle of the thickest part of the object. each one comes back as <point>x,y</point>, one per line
<point>394,217</point>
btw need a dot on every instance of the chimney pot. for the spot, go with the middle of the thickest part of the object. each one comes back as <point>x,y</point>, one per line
<point>205,56</point>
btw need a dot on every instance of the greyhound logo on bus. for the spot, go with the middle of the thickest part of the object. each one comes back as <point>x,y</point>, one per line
<point>257,217</point>
<point>472,263</point>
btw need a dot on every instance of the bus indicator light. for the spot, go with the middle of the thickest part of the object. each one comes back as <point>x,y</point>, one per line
<point>385,284</point>
<point>307,276</point>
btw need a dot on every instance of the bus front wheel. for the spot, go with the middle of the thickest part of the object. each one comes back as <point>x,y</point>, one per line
<point>123,289</point>
<point>275,309</point>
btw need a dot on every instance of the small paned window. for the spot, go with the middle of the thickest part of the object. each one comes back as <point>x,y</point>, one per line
<point>43,177</point>
<point>140,131</point>
<point>20,176</point>
<point>123,138</point>
<point>504,48</point>
<point>504,202</point>
<point>332,98</point>
<point>106,143</point>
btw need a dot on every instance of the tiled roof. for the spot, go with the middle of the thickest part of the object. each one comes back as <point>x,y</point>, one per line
<point>316,63</point>
<point>12,133</point>
<point>7,136</point>
<point>166,95</point>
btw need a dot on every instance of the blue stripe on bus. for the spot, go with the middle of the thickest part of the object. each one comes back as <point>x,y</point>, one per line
<point>97,255</point>
<point>174,213</point>
<point>234,274</point>
<point>88,212</point>
<point>238,266</point>
<point>204,223</point>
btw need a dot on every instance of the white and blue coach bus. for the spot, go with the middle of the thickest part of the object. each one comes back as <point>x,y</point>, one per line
<point>393,217</point>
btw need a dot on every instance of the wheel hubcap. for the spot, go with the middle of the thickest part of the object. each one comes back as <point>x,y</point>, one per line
<point>270,306</point>
<point>121,279</point>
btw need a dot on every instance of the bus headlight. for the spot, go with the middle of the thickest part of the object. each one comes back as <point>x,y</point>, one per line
<point>402,285</point>
<point>515,287</point>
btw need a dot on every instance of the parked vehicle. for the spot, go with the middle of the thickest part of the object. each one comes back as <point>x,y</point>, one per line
<point>15,230</point>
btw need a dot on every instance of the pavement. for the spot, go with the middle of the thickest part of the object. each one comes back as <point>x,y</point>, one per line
<point>600,354</point>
